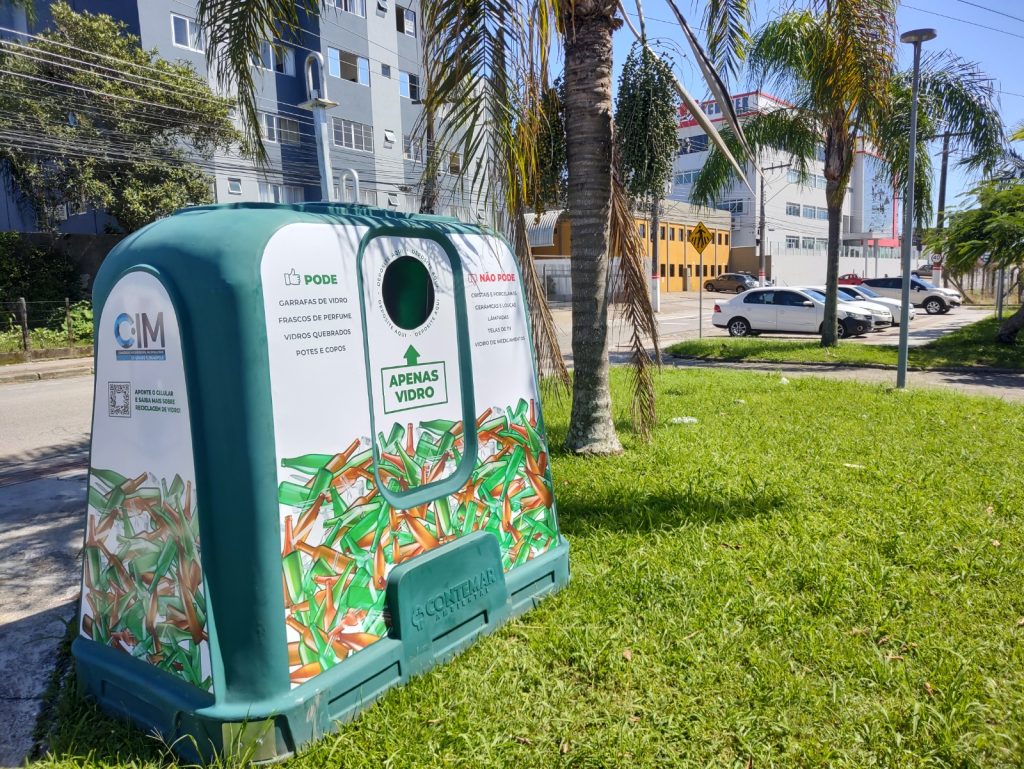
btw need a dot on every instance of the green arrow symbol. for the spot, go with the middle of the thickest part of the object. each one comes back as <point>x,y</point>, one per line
<point>411,356</point>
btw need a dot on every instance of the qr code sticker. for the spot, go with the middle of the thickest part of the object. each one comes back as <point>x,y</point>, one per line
<point>119,399</point>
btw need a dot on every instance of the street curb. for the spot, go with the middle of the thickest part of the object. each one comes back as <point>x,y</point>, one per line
<point>35,376</point>
<point>976,370</point>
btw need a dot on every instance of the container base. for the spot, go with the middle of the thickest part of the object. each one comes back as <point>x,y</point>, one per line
<point>439,602</point>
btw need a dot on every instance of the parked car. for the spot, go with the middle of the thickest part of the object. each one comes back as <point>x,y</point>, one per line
<point>881,316</point>
<point>922,293</point>
<point>731,281</point>
<point>869,294</point>
<point>785,310</point>
<point>922,270</point>
<point>849,279</point>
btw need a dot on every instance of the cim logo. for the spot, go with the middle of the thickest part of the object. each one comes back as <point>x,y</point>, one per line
<point>140,336</point>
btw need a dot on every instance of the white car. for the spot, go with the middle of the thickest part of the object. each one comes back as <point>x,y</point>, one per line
<point>868,294</point>
<point>881,316</point>
<point>785,310</point>
<point>922,293</point>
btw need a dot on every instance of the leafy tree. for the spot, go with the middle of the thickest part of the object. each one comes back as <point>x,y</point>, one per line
<point>89,120</point>
<point>835,63</point>
<point>995,228</point>
<point>645,129</point>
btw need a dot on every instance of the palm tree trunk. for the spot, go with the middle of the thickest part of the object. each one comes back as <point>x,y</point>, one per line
<point>588,26</point>
<point>828,326</point>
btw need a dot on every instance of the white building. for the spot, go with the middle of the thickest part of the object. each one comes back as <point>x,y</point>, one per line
<point>795,214</point>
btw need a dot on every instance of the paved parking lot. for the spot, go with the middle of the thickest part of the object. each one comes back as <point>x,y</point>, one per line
<point>677,321</point>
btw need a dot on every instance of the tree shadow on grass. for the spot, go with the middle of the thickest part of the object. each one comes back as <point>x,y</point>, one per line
<point>641,511</point>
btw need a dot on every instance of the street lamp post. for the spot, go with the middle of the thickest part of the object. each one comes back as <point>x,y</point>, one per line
<point>914,37</point>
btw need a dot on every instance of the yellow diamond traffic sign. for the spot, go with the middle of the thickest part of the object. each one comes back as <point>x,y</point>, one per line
<point>699,238</point>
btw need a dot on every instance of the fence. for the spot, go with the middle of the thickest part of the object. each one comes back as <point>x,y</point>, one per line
<point>556,280</point>
<point>35,325</point>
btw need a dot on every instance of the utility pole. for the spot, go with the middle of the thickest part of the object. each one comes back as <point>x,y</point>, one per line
<point>940,214</point>
<point>763,227</point>
<point>915,37</point>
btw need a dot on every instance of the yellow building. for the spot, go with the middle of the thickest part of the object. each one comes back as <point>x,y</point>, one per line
<point>680,266</point>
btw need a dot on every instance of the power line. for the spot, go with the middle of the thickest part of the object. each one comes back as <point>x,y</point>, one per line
<point>991,10</point>
<point>963,21</point>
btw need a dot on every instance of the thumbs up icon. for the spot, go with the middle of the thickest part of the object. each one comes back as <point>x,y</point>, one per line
<point>292,278</point>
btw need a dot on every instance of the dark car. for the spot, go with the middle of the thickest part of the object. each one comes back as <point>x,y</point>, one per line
<point>733,282</point>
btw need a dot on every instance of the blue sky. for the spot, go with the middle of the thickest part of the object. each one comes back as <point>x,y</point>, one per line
<point>996,45</point>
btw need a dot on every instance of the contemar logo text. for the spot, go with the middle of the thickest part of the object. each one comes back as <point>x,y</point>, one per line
<point>454,598</point>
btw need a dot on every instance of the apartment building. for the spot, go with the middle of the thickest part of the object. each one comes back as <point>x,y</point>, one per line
<point>372,52</point>
<point>795,211</point>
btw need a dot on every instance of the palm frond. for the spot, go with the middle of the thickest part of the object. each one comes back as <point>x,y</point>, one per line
<point>478,56</point>
<point>625,241</point>
<point>727,31</point>
<point>719,90</point>
<point>961,98</point>
<point>234,33</point>
<point>791,131</point>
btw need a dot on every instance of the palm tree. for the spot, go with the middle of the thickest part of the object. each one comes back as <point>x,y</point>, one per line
<point>836,64</point>
<point>487,63</point>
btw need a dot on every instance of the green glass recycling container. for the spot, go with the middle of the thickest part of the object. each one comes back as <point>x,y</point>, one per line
<point>318,468</point>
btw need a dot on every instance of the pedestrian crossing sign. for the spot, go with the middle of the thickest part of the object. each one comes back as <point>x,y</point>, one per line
<point>700,237</point>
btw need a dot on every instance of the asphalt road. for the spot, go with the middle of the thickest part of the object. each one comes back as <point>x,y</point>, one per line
<point>44,434</point>
<point>677,321</point>
<point>43,425</point>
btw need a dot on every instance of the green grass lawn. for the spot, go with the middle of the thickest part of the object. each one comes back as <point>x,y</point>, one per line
<point>972,345</point>
<point>817,573</point>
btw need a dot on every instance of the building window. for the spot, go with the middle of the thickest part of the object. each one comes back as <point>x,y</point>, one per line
<point>234,186</point>
<point>691,144</point>
<point>454,163</point>
<point>186,33</point>
<point>662,269</point>
<point>661,232</point>
<point>793,176</point>
<point>356,7</point>
<point>352,135</point>
<point>348,66</point>
<point>792,241</point>
<point>808,242</point>
<point>792,209</point>
<point>409,85</point>
<point>279,129</point>
<point>412,149</point>
<point>741,104</point>
<point>810,212</point>
<point>642,229</point>
<point>727,238</point>
<point>385,70</point>
<point>823,214</point>
<point>671,233</point>
<point>686,177</point>
<point>276,58</point>
<point>405,21</point>
<point>735,206</point>
<point>280,193</point>
<point>367,197</point>
<point>671,270</point>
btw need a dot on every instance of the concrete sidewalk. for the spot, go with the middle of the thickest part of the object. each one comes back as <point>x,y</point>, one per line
<point>45,369</point>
